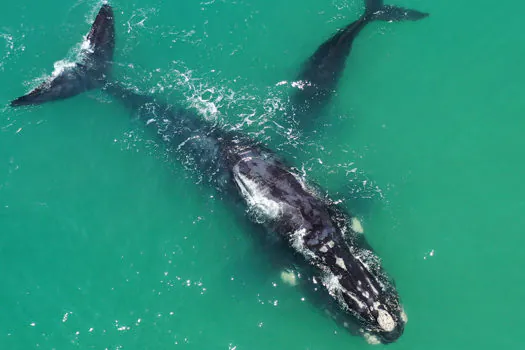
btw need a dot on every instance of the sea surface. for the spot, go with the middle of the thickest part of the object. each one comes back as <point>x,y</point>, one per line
<point>107,242</point>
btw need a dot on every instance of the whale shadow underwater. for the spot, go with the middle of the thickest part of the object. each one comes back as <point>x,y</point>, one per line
<point>324,241</point>
<point>319,75</point>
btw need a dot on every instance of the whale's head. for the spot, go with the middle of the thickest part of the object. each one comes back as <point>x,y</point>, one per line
<point>383,326</point>
<point>364,292</point>
<point>354,278</point>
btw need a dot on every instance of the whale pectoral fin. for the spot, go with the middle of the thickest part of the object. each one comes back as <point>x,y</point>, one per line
<point>289,277</point>
<point>391,13</point>
<point>356,226</point>
<point>360,201</point>
<point>371,339</point>
<point>91,70</point>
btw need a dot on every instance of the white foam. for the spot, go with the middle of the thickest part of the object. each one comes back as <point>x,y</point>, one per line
<point>300,84</point>
<point>86,46</point>
<point>60,66</point>
<point>206,107</point>
<point>256,196</point>
<point>298,242</point>
<point>9,46</point>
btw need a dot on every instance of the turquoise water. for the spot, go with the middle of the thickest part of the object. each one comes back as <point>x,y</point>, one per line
<point>107,242</point>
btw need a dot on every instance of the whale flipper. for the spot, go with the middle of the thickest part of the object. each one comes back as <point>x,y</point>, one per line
<point>90,72</point>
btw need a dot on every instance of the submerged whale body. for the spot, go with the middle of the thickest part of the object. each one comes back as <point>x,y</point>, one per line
<point>319,75</point>
<point>320,235</point>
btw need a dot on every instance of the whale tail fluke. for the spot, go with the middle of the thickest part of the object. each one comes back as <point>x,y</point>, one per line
<point>376,10</point>
<point>91,70</point>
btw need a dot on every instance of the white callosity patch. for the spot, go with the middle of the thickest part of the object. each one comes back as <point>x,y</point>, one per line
<point>256,197</point>
<point>340,262</point>
<point>356,226</point>
<point>386,321</point>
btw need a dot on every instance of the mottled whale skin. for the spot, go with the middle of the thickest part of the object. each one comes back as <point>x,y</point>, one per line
<point>318,234</point>
<point>317,81</point>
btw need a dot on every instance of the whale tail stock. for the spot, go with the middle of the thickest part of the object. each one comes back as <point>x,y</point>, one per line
<point>91,70</point>
<point>377,10</point>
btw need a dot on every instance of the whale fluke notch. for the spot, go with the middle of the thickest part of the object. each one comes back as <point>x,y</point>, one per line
<point>91,71</point>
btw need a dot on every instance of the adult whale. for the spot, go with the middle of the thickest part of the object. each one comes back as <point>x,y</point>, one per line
<point>318,234</point>
<point>320,74</point>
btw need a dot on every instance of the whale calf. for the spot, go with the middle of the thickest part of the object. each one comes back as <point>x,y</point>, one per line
<point>316,232</point>
<point>319,75</point>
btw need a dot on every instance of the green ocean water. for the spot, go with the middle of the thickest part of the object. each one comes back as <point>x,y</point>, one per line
<point>107,242</point>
